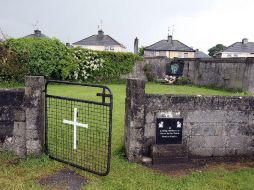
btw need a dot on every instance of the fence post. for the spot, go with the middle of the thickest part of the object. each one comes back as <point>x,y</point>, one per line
<point>34,106</point>
<point>134,119</point>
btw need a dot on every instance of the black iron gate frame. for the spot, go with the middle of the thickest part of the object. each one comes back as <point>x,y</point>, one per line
<point>103,103</point>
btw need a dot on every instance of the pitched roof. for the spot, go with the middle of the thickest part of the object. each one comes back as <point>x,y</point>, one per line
<point>201,54</point>
<point>169,45</point>
<point>99,40</point>
<point>244,46</point>
<point>36,34</point>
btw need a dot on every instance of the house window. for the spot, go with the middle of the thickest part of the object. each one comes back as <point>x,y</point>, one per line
<point>235,55</point>
<point>106,48</point>
<point>112,48</point>
<point>157,53</point>
<point>229,55</point>
<point>185,55</point>
<point>180,55</point>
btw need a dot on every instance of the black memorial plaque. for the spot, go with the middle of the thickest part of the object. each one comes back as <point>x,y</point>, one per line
<point>169,130</point>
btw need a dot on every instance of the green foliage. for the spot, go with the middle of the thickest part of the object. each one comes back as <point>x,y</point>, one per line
<point>52,59</point>
<point>89,62</point>
<point>102,66</point>
<point>148,72</point>
<point>141,51</point>
<point>115,64</point>
<point>216,49</point>
<point>12,67</point>
<point>44,56</point>
<point>183,81</point>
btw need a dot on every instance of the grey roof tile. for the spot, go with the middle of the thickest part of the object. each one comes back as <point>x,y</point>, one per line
<point>201,54</point>
<point>99,40</point>
<point>241,47</point>
<point>165,45</point>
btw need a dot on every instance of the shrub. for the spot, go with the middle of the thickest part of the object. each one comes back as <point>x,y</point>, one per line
<point>115,64</point>
<point>11,65</point>
<point>89,63</point>
<point>149,73</point>
<point>44,56</point>
<point>102,65</point>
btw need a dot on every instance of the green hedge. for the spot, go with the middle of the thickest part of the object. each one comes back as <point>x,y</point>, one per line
<point>44,56</point>
<point>52,59</point>
<point>116,64</point>
<point>12,66</point>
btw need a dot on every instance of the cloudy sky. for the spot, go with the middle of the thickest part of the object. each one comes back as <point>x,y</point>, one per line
<point>198,23</point>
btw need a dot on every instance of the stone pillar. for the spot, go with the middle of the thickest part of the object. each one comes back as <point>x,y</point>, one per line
<point>34,115</point>
<point>134,119</point>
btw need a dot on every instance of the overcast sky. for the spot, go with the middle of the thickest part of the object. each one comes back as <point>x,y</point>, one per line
<point>198,23</point>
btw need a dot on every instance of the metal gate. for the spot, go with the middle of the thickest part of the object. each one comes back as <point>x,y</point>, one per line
<point>78,132</point>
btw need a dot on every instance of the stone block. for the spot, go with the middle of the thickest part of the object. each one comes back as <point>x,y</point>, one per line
<point>150,118</point>
<point>34,147</point>
<point>239,141</point>
<point>215,142</point>
<point>207,116</point>
<point>194,142</point>
<point>236,117</point>
<point>19,115</point>
<point>19,129</point>
<point>150,130</point>
<point>201,152</point>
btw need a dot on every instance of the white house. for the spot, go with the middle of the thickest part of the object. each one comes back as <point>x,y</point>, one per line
<point>238,49</point>
<point>100,42</point>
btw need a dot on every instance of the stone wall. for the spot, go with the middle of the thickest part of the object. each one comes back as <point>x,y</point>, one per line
<point>21,118</point>
<point>234,73</point>
<point>212,125</point>
<point>156,64</point>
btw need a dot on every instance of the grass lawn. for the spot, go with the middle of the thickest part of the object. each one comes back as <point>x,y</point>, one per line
<point>16,174</point>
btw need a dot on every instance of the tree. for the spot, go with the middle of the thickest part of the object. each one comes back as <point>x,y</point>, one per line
<point>141,51</point>
<point>216,49</point>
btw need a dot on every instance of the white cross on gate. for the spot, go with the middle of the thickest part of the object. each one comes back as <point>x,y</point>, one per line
<point>75,124</point>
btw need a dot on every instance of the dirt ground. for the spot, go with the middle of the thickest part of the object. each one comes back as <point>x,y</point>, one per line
<point>64,179</point>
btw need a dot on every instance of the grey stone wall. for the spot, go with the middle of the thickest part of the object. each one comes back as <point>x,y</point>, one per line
<point>234,73</point>
<point>157,65</point>
<point>21,118</point>
<point>213,125</point>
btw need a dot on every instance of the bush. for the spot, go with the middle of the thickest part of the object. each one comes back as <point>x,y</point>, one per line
<point>52,59</point>
<point>44,56</point>
<point>11,66</point>
<point>149,73</point>
<point>115,64</point>
<point>102,66</point>
<point>89,63</point>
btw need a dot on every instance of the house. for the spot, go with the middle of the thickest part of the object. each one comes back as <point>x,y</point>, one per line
<point>238,49</point>
<point>100,42</point>
<point>37,34</point>
<point>170,48</point>
<point>201,54</point>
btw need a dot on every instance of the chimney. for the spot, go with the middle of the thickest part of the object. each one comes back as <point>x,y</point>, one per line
<point>245,41</point>
<point>37,33</point>
<point>170,38</point>
<point>136,45</point>
<point>100,33</point>
<point>197,50</point>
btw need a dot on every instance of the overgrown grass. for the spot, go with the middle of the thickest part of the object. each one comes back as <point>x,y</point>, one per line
<point>124,175</point>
